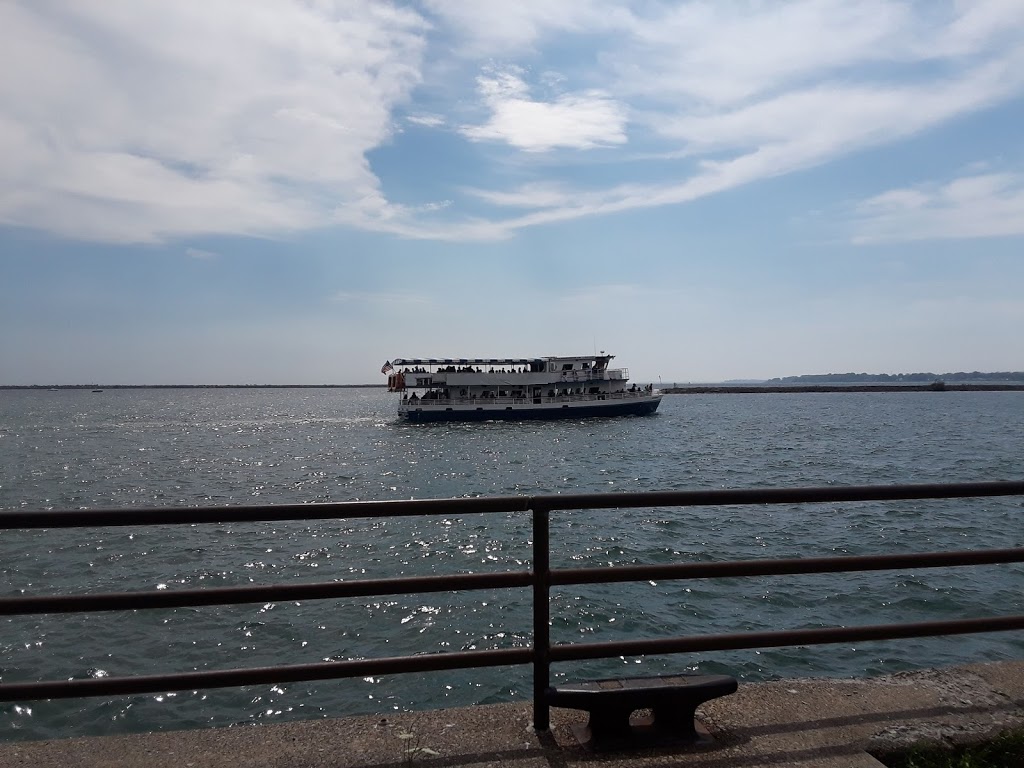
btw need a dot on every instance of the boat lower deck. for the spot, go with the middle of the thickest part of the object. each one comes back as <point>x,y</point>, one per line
<point>515,409</point>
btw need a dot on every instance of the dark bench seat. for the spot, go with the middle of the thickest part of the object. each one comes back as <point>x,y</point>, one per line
<point>672,699</point>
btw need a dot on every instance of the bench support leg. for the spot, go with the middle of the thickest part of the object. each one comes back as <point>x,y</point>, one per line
<point>675,721</point>
<point>609,724</point>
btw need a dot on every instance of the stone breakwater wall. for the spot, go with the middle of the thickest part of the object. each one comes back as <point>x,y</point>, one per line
<point>810,723</point>
<point>760,390</point>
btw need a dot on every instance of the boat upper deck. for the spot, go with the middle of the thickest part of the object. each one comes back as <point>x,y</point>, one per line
<point>589,366</point>
<point>434,362</point>
<point>534,364</point>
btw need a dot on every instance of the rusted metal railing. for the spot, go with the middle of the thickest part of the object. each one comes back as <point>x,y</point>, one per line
<point>540,578</point>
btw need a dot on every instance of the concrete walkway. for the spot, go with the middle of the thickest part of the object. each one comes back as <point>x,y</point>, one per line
<point>820,723</point>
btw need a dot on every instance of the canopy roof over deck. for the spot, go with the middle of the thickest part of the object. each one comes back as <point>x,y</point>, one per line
<point>435,361</point>
<point>468,361</point>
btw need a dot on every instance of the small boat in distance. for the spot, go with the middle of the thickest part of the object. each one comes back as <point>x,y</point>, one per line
<point>481,389</point>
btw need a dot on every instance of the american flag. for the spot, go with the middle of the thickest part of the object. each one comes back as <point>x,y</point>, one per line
<point>387,367</point>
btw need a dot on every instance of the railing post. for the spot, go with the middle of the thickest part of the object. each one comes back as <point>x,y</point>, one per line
<point>541,617</point>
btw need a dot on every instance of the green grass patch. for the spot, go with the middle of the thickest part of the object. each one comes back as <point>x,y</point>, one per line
<point>1003,751</point>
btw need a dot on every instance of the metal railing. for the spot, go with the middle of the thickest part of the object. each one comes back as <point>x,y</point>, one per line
<point>540,578</point>
<point>518,378</point>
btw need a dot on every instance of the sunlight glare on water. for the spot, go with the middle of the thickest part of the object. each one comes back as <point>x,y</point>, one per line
<point>144,448</point>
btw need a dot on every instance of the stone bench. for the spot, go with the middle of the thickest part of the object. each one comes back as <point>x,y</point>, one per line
<point>672,699</point>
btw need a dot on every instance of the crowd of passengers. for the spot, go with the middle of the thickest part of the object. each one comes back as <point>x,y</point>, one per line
<point>467,369</point>
<point>444,394</point>
<point>432,394</point>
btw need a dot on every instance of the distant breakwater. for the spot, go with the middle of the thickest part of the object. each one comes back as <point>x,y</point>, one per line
<point>757,390</point>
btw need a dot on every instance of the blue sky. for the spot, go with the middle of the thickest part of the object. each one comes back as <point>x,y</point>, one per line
<point>237,191</point>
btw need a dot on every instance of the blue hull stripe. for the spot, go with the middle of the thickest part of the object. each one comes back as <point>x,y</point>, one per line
<point>643,408</point>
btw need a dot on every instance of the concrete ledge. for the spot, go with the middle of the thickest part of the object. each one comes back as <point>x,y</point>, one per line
<point>806,722</point>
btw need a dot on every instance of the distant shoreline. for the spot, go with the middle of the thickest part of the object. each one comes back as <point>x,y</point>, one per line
<point>697,389</point>
<point>797,388</point>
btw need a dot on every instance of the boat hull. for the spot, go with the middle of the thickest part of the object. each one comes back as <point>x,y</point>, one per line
<point>439,413</point>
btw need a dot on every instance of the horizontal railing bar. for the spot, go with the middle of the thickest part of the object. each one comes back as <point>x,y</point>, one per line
<point>121,601</point>
<point>780,567</point>
<point>747,640</point>
<point>331,670</point>
<point>125,601</point>
<point>82,518</point>
<point>492,504</point>
<point>757,496</point>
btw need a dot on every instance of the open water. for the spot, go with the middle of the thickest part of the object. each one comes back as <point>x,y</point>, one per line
<point>123,448</point>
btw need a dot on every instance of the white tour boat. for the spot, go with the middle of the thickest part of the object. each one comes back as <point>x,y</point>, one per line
<point>480,389</point>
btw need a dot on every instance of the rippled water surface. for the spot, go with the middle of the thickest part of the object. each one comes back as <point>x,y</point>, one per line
<point>122,448</point>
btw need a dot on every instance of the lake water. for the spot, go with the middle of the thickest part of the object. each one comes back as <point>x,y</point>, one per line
<point>123,448</point>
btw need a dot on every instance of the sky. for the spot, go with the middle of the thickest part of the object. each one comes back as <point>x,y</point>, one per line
<point>295,191</point>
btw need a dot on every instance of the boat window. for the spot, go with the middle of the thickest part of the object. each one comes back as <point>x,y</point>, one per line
<point>567,366</point>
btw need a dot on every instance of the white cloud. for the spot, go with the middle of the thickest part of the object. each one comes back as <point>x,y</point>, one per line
<point>489,28</point>
<point>708,54</point>
<point>833,116</point>
<point>140,120</point>
<point>987,205</point>
<point>145,121</point>
<point>426,120</point>
<point>533,195</point>
<point>977,25</point>
<point>783,87</point>
<point>582,120</point>
<point>199,253</point>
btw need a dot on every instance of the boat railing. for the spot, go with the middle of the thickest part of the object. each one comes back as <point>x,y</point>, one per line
<point>539,577</point>
<point>477,378</point>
